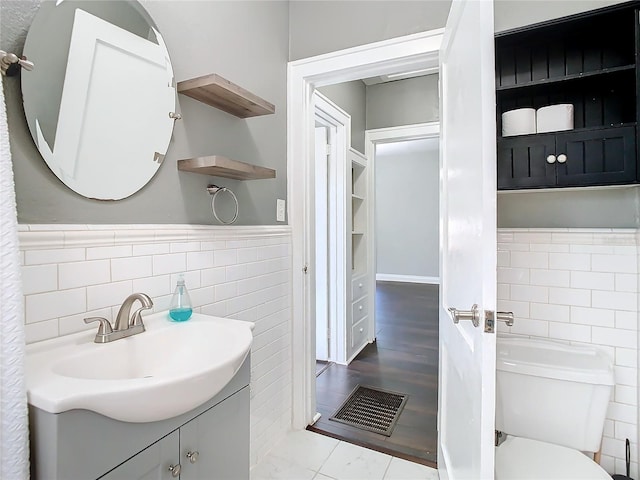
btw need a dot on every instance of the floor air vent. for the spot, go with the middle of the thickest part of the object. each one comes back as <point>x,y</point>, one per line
<point>371,409</point>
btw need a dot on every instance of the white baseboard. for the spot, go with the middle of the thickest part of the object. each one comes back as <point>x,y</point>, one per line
<point>391,277</point>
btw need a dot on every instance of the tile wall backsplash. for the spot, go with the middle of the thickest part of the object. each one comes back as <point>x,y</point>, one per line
<point>75,271</point>
<point>580,286</point>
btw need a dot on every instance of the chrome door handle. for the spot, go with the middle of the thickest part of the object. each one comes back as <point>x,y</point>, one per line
<point>473,315</point>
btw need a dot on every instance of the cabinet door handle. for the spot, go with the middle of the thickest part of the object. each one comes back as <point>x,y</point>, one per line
<point>551,159</point>
<point>562,158</point>
<point>175,470</point>
<point>193,456</point>
<point>360,307</point>
<point>360,285</point>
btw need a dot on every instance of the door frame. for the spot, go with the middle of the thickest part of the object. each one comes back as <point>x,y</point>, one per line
<point>407,53</point>
<point>372,138</point>
<point>338,123</point>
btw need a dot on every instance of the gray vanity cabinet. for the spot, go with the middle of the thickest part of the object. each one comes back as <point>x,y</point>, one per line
<point>79,444</point>
<point>214,445</point>
<point>150,464</point>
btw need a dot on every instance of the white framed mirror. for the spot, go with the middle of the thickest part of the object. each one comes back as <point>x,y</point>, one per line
<point>100,100</point>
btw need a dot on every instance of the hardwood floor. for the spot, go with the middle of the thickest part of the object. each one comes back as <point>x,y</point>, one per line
<point>404,359</point>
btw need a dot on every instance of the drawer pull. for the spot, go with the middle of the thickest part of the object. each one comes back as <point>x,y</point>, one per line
<point>193,456</point>
<point>175,470</point>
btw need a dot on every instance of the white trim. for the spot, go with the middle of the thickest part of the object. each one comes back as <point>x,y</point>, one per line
<point>39,237</point>
<point>392,277</point>
<point>407,53</point>
<point>338,122</point>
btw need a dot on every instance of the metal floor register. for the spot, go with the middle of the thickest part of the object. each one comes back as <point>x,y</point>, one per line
<point>371,409</point>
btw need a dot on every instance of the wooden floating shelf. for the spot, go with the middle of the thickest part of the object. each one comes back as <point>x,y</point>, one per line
<point>225,167</point>
<point>220,93</point>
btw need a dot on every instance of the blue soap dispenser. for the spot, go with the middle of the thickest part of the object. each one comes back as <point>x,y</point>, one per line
<point>180,308</point>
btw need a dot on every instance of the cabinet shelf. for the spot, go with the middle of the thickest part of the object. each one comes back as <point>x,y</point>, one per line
<point>566,78</point>
<point>574,130</point>
<point>220,166</point>
<point>220,93</point>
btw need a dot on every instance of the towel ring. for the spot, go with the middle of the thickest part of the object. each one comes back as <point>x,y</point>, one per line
<point>214,190</point>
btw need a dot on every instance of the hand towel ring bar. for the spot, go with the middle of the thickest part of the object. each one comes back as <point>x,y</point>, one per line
<point>214,190</point>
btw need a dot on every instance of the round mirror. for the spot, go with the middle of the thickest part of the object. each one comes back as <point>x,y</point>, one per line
<point>100,100</point>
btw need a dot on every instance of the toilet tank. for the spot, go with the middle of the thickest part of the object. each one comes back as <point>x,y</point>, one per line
<point>552,392</point>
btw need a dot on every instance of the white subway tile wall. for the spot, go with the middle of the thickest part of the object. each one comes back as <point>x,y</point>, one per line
<point>580,286</point>
<point>239,272</point>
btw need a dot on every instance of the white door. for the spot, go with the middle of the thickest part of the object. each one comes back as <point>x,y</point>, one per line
<point>468,242</point>
<point>321,245</point>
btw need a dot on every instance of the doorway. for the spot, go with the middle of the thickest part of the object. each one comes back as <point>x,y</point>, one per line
<point>413,52</point>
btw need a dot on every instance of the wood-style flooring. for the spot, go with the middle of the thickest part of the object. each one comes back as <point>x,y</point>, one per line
<point>404,359</point>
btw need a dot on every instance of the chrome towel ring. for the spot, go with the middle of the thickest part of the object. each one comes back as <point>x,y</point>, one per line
<point>214,190</point>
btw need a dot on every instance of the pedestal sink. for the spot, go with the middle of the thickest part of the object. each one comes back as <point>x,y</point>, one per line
<point>166,371</point>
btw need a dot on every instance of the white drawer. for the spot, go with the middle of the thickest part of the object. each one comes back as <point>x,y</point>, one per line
<point>359,310</point>
<point>359,333</point>
<point>358,288</point>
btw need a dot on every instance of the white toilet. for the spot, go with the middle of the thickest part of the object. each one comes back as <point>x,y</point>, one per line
<point>551,402</point>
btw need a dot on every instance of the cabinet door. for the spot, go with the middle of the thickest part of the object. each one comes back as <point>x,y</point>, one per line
<point>600,157</point>
<point>150,464</point>
<point>522,162</point>
<point>220,436</point>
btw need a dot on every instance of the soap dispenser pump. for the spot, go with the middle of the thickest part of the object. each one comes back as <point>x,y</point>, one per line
<point>180,308</point>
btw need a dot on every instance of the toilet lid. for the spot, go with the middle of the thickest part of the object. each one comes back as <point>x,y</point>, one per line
<point>521,458</point>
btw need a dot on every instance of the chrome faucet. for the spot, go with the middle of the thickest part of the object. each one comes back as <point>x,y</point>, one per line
<point>126,324</point>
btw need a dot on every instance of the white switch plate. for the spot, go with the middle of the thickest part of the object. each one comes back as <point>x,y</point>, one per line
<point>280,204</point>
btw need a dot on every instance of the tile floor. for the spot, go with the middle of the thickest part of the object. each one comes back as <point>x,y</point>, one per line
<point>305,455</point>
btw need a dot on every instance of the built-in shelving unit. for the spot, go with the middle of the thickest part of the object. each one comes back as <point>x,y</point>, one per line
<point>587,60</point>
<point>358,228</point>
<point>220,166</point>
<point>220,93</point>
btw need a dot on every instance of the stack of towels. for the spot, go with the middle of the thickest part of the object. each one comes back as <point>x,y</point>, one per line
<point>525,121</point>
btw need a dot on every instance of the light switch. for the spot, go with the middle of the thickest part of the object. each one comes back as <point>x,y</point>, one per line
<point>280,204</point>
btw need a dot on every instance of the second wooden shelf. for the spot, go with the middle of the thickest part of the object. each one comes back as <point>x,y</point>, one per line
<point>220,166</point>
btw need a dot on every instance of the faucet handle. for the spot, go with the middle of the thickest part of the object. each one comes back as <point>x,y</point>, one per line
<point>104,328</point>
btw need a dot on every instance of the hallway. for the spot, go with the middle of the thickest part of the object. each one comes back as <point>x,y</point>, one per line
<point>404,359</point>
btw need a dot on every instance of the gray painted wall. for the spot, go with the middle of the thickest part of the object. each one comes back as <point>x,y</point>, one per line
<point>407,188</point>
<point>351,97</point>
<point>517,13</point>
<point>318,27</point>
<point>403,102</point>
<point>202,38</point>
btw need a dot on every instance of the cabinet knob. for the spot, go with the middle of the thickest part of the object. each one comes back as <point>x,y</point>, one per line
<point>551,159</point>
<point>360,285</point>
<point>360,307</point>
<point>562,158</point>
<point>175,470</point>
<point>361,329</point>
<point>193,456</point>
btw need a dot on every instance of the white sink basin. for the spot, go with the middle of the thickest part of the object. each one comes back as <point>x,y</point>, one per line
<point>158,374</point>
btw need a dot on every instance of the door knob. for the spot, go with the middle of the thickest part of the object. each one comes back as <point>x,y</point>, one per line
<point>562,158</point>
<point>551,159</point>
<point>472,315</point>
